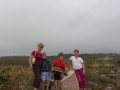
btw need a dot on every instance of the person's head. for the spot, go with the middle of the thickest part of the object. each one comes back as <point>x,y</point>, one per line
<point>76,52</point>
<point>44,56</point>
<point>61,55</point>
<point>40,46</point>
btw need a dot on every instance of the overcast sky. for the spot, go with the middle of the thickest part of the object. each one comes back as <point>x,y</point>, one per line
<point>92,26</point>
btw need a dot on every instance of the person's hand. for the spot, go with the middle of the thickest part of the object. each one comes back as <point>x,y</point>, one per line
<point>49,73</point>
<point>31,67</point>
<point>83,71</point>
<point>65,73</point>
<point>71,69</point>
<point>52,74</point>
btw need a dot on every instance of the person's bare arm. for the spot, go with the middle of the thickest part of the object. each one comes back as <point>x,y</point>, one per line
<point>30,62</point>
<point>70,65</point>
<point>83,68</point>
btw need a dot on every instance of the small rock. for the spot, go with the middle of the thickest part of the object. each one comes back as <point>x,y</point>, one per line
<point>112,72</point>
<point>119,71</point>
<point>92,83</point>
<point>109,87</point>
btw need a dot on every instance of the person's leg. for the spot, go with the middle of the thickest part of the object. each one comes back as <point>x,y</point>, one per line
<point>48,84</point>
<point>83,78</point>
<point>56,85</point>
<point>77,72</point>
<point>48,80</point>
<point>56,78</point>
<point>59,81</point>
<point>59,84</point>
<point>37,76</point>
<point>43,85</point>
<point>44,79</point>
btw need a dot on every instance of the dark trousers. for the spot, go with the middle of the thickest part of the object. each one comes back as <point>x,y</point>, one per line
<point>37,75</point>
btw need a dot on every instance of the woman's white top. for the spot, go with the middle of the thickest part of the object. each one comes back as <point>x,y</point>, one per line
<point>76,62</point>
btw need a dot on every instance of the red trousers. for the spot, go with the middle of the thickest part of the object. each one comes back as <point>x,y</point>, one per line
<point>81,78</point>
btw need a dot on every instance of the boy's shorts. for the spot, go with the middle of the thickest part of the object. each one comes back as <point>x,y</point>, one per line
<point>46,76</point>
<point>57,75</point>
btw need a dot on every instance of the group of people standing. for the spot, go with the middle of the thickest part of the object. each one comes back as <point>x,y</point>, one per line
<point>42,68</point>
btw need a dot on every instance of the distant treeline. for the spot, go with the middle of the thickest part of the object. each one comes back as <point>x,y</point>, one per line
<point>23,60</point>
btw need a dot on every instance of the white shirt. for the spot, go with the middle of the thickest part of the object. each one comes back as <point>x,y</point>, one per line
<point>76,62</point>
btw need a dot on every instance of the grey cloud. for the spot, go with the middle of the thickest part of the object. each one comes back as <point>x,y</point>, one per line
<point>89,25</point>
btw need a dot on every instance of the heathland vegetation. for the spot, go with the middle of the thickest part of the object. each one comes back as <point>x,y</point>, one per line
<point>102,70</point>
